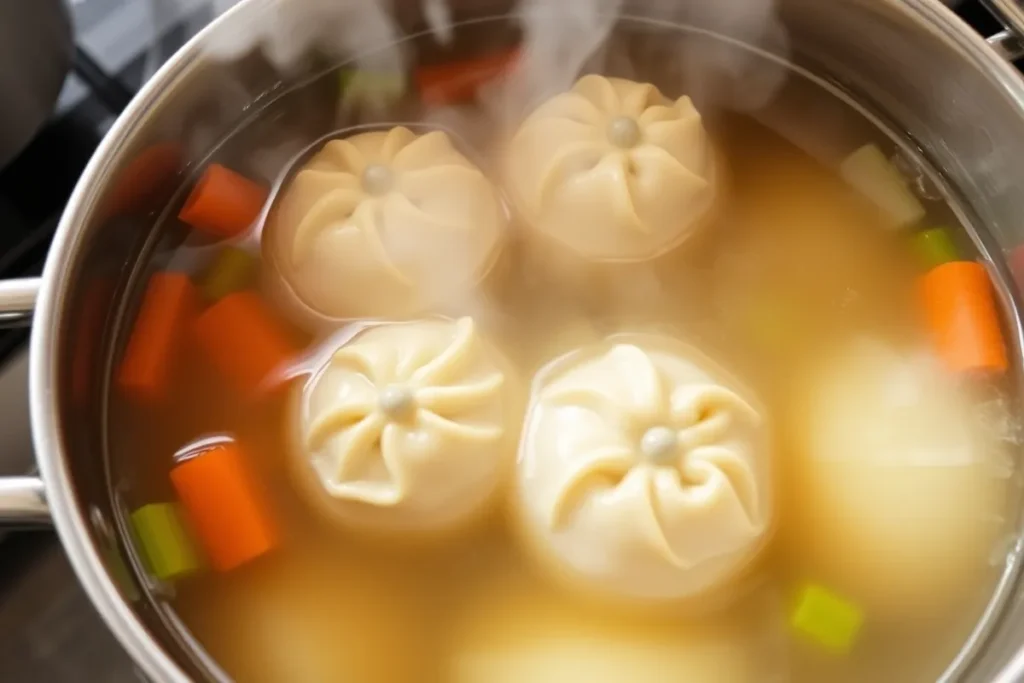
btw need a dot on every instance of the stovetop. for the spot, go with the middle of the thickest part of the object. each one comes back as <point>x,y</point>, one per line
<point>49,633</point>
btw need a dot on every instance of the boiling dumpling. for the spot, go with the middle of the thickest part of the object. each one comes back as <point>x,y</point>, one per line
<point>384,224</point>
<point>514,633</point>
<point>407,426</point>
<point>901,485</point>
<point>613,169</point>
<point>644,470</point>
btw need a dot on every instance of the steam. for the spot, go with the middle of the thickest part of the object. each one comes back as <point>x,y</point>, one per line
<point>560,41</point>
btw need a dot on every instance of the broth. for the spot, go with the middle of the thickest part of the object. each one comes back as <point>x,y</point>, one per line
<point>796,263</point>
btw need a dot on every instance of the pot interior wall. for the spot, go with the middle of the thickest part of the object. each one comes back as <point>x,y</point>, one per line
<point>943,103</point>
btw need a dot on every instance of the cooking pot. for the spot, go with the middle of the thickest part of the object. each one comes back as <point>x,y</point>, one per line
<point>922,73</point>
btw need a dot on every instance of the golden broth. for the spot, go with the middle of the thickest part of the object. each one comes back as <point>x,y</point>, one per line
<point>794,263</point>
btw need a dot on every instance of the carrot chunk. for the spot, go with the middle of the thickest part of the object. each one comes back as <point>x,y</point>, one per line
<point>961,313</point>
<point>244,341</point>
<point>457,82</point>
<point>223,203</point>
<point>225,506</point>
<point>149,361</point>
<point>145,180</point>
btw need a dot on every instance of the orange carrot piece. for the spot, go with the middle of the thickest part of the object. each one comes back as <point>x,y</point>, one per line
<point>225,506</point>
<point>458,81</point>
<point>243,339</point>
<point>144,180</point>
<point>961,313</point>
<point>149,361</point>
<point>223,203</point>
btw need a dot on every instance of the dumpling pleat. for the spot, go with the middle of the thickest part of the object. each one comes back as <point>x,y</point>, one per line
<point>329,212</point>
<point>600,469</point>
<point>599,91</point>
<point>452,359</point>
<point>457,398</point>
<point>459,430</point>
<point>429,150</point>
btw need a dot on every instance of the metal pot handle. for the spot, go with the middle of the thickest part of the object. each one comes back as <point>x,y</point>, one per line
<point>22,499</point>
<point>1009,42</point>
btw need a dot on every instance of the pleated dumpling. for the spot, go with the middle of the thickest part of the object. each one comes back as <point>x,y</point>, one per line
<point>407,427</point>
<point>385,224</point>
<point>613,169</point>
<point>644,470</point>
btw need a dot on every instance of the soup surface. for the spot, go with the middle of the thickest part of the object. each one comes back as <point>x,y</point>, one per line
<point>840,296</point>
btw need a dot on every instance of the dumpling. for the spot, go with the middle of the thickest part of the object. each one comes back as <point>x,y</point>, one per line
<point>901,487</point>
<point>613,170</point>
<point>384,224</point>
<point>408,427</point>
<point>514,632</point>
<point>644,470</point>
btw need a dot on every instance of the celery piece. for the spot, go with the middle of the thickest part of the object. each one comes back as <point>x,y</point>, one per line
<point>374,88</point>
<point>870,173</point>
<point>935,247</point>
<point>166,546</point>
<point>232,270</point>
<point>827,619</point>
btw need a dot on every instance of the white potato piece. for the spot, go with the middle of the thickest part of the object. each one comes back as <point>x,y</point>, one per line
<point>870,173</point>
<point>301,620</point>
<point>901,488</point>
<point>514,632</point>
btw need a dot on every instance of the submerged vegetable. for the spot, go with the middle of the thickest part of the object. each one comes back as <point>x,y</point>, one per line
<point>871,174</point>
<point>373,88</point>
<point>242,339</point>
<point>458,81</point>
<point>231,271</point>
<point>165,543</point>
<point>935,247</point>
<point>899,489</point>
<point>223,203</point>
<point>148,365</point>
<point>224,505</point>
<point>516,633</point>
<point>961,314</point>
<point>829,620</point>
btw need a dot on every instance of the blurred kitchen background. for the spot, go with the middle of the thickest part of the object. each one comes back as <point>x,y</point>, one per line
<point>48,631</point>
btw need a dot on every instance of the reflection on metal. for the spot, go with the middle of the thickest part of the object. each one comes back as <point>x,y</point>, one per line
<point>1007,45</point>
<point>23,502</point>
<point>1010,13</point>
<point>17,301</point>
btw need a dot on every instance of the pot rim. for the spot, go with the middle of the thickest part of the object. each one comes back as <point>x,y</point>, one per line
<point>70,522</point>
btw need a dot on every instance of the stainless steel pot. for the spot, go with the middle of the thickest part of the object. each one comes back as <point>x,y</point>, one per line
<point>927,75</point>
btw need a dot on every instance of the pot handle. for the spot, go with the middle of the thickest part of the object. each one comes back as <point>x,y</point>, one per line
<point>1008,43</point>
<point>22,499</point>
